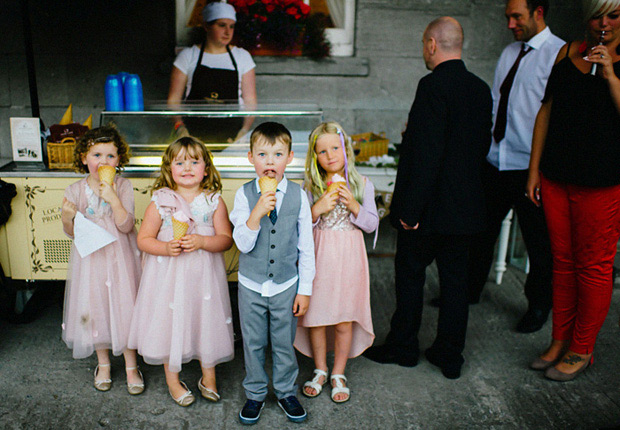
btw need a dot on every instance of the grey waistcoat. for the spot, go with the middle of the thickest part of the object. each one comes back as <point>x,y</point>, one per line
<point>275,254</point>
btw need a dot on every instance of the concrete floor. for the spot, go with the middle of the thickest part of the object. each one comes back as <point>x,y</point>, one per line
<point>42,387</point>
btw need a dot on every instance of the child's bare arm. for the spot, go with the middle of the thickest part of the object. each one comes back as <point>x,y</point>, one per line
<point>147,236</point>
<point>69,210</point>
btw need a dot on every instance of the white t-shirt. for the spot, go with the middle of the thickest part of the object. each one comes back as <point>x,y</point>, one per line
<point>187,59</point>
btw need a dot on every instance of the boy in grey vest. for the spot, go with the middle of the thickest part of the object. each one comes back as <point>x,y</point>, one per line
<point>273,231</point>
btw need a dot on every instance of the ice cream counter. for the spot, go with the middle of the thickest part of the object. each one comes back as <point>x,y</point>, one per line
<point>33,245</point>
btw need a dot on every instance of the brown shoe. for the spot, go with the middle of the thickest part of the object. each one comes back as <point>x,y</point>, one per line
<point>540,364</point>
<point>555,375</point>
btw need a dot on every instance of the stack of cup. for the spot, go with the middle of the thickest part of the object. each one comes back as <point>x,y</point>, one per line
<point>123,92</point>
<point>114,94</point>
<point>132,89</point>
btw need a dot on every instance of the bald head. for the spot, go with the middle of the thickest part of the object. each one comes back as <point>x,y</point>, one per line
<point>448,34</point>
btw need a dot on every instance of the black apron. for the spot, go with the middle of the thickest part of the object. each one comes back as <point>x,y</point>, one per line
<point>216,86</point>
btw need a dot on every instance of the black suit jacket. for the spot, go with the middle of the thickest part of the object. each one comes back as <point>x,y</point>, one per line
<point>448,134</point>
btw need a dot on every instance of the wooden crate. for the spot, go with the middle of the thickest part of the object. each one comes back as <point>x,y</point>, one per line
<point>366,145</point>
<point>60,154</point>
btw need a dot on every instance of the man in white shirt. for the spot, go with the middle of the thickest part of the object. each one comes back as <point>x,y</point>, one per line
<point>518,88</point>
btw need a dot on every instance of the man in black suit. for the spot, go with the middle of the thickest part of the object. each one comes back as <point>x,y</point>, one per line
<point>438,201</point>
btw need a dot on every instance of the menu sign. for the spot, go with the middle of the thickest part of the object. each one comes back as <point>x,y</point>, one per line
<point>26,139</point>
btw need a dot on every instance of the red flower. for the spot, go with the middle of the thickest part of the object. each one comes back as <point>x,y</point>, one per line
<point>270,7</point>
<point>305,9</point>
<point>291,11</point>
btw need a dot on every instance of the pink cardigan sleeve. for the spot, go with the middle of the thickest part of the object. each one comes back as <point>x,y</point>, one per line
<point>367,219</point>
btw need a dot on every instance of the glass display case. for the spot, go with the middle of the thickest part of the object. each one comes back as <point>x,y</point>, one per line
<point>149,132</point>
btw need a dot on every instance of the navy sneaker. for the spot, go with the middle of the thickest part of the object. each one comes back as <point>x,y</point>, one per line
<point>251,412</point>
<point>293,409</point>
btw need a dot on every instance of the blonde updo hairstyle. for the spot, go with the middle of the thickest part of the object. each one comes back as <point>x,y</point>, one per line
<point>592,8</point>
<point>315,175</point>
<point>193,149</point>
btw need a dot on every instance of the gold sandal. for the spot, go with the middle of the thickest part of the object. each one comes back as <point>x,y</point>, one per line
<point>135,389</point>
<point>102,384</point>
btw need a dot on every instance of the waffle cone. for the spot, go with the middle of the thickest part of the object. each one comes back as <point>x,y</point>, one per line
<point>179,228</point>
<point>333,186</point>
<point>267,184</point>
<point>106,174</point>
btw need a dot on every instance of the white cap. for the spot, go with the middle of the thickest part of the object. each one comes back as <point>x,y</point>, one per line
<point>218,10</point>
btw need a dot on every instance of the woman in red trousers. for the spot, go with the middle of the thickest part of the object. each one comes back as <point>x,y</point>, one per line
<point>575,174</point>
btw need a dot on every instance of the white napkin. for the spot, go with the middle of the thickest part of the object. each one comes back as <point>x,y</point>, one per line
<point>88,236</point>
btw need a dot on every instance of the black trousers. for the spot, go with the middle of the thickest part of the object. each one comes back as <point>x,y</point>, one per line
<point>505,190</point>
<point>414,253</point>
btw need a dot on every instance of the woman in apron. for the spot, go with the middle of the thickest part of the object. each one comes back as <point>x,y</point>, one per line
<point>214,73</point>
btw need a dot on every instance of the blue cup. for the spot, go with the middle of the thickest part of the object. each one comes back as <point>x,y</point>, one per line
<point>122,76</point>
<point>114,94</point>
<point>134,100</point>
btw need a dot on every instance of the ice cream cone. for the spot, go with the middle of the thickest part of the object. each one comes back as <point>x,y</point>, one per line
<point>67,118</point>
<point>106,174</point>
<point>267,184</point>
<point>335,183</point>
<point>179,228</point>
<point>89,122</point>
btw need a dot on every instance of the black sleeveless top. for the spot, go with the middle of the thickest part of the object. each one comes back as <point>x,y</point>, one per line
<point>583,138</point>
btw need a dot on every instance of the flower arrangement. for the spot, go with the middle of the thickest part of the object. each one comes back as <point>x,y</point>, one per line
<point>283,25</point>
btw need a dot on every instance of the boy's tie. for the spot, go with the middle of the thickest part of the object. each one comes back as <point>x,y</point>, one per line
<point>273,216</point>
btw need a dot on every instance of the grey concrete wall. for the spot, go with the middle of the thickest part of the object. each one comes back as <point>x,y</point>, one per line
<point>78,43</point>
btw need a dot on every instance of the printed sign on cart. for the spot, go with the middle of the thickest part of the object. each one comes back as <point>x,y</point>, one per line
<point>26,139</point>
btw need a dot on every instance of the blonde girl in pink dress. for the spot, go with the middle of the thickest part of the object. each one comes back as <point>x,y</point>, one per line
<point>183,309</point>
<point>101,286</point>
<point>338,317</point>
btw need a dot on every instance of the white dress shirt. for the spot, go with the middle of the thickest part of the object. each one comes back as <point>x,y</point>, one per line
<point>528,89</point>
<point>245,239</point>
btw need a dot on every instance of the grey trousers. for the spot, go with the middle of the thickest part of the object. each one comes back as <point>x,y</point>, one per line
<point>265,319</point>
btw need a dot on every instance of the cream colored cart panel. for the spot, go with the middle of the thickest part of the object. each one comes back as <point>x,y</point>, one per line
<point>34,246</point>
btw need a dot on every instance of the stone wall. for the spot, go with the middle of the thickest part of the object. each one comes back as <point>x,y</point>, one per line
<point>76,46</point>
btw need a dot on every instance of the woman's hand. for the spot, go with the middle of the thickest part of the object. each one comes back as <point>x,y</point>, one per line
<point>173,248</point>
<point>532,189</point>
<point>347,197</point>
<point>192,242</point>
<point>600,55</point>
<point>326,203</point>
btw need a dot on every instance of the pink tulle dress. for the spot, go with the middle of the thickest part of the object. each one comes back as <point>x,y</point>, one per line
<point>183,308</point>
<point>341,287</point>
<point>101,287</point>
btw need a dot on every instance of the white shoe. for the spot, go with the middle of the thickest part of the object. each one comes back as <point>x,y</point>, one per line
<point>314,383</point>
<point>340,388</point>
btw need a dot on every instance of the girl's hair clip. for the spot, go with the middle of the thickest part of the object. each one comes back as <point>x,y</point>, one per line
<point>101,139</point>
